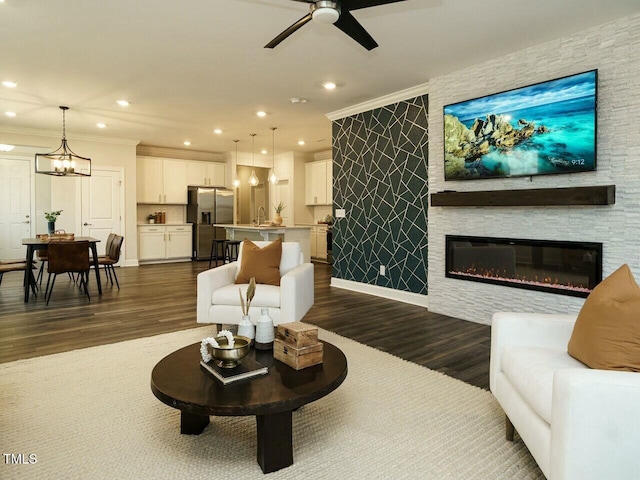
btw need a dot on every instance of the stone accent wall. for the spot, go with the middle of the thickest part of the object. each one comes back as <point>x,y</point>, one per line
<point>612,48</point>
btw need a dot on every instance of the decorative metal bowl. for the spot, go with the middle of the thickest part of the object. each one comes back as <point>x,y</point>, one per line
<point>230,357</point>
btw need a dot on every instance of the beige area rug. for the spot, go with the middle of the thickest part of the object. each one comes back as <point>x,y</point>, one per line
<point>90,414</point>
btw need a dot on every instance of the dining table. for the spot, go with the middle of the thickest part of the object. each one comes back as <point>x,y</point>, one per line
<point>34,244</point>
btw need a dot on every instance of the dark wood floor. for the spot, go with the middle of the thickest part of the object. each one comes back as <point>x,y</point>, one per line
<point>157,299</point>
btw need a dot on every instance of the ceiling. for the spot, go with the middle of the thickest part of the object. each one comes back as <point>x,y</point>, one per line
<point>190,67</point>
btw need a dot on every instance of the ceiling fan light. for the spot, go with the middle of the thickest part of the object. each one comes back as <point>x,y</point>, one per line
<point>325,15</point>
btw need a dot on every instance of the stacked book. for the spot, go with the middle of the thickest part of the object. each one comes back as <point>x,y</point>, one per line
<point>248,369</point>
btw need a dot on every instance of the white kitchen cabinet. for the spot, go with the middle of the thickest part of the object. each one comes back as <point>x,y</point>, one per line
<point>162,242</point>
<point>314,241</point>
<point>318,183</point>
<point>149,180</point>
<point>212,174</point>
<point>178,241</point>
<point>318,238</point>
<point>175,181</point>
<point>161,180</point>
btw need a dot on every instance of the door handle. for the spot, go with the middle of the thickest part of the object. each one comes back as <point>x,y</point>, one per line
<point>26,221</point>
<point>87,224</point>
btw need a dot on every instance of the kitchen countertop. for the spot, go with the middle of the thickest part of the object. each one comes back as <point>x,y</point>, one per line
<point>251,227</point>
<point>165,224</point>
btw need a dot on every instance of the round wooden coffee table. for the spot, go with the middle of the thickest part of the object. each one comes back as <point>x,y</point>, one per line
<point>178,381</point>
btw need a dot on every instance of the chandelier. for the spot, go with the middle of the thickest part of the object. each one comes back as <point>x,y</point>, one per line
<point>63,161</point>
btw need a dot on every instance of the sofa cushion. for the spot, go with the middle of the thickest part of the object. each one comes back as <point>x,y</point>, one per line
<point>530,370</point>
<point>261,263</point>
<point>606,334</point>
<point>266,295</point>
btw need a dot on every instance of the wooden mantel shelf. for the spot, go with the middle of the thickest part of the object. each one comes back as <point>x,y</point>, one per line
<point>533,197</point>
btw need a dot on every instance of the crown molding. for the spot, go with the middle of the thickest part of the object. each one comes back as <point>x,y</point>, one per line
<point>396,97</point>
<point>75,136</point>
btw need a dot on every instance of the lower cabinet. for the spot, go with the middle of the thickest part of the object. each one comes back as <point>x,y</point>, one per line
<point>164,242</point>
<point>319,243</point>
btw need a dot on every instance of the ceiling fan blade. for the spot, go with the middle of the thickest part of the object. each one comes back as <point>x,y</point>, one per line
<point>292,29</point>
<point>349,25</point>
<point>358,4</point>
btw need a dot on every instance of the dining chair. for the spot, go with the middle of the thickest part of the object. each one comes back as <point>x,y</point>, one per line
<point>112,257</point>
<point>7,266</point>
<point>107,245</point>
<point>68,257</point>
<point>42,256</point>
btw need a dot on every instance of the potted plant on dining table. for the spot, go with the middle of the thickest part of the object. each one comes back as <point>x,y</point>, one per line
<point>51,220</point>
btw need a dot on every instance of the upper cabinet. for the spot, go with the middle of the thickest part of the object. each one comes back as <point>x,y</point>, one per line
<point>165,180</point>
<point>213,174</point>
<point>161,180</point>
<point>318,183</point>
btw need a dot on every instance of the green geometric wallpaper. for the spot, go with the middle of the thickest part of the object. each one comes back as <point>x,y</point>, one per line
<point>380,161</point>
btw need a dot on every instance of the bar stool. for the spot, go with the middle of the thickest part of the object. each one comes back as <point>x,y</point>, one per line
<point>218,245</point>
<point>233,247</point>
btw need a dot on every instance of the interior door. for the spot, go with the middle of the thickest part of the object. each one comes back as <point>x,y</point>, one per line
<point>102,205</point>
<point>15,223</point>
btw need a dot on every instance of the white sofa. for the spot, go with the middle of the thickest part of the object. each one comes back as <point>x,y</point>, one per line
<point>218,300</point>
<point>578,423</point>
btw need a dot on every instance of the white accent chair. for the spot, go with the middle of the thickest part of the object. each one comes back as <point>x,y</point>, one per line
<point>578,423</point>
<point>219,301</point>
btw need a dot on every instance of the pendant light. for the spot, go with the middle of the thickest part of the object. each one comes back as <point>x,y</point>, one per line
<point>236,179</point>
<point>253,179</point>
<point>273,178</point>
<point>63,161</point>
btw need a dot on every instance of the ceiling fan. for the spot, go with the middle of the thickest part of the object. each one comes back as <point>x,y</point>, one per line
<point>337,12</point>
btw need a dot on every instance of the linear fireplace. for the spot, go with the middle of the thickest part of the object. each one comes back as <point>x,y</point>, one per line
<point>567,268</point>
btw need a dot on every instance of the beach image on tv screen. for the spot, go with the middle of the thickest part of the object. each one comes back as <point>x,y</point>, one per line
<point>540,129</point>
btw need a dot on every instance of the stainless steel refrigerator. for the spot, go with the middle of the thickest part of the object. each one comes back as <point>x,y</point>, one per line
<point>206,207</point>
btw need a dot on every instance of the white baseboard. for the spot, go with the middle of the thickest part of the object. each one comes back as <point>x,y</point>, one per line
<point>384,292</point>
<point>131,263</point>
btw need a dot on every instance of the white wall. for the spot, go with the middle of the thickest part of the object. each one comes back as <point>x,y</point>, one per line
<point>614,49</point>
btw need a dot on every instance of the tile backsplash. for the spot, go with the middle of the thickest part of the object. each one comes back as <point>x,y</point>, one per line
<point>173,213</point>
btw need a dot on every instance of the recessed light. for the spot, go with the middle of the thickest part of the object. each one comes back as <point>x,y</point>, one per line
<point>261,113</point>
<point>329,86</point>
<point>101,125</point>
<point>217,131</point>
<point>122,103</point>
<point>3,146</point>
<point>7,83</point>
<point>300,142</point>
<point>263,151</point>
<point>187,143</point>
<point>10,114</point>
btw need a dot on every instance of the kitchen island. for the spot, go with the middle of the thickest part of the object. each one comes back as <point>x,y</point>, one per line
<point>300,234</point>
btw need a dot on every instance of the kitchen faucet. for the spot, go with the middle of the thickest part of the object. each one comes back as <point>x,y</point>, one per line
<point>264,214</point>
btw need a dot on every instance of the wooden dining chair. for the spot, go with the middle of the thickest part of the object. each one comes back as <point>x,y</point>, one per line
<point>112,257</point>
<point>68,257</point>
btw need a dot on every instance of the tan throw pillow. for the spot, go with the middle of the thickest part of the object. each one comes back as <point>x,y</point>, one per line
<point>606,334</point>
<point>261,263</point>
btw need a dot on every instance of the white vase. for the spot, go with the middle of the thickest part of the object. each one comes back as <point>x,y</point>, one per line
<point>245,328</point>
<point>264,331</point>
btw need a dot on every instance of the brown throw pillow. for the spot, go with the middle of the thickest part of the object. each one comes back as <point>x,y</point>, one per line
<point>606,334</point>
<point>261,263</point>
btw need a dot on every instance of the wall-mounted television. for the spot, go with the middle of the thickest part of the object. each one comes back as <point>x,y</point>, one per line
<point>544,128</point>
